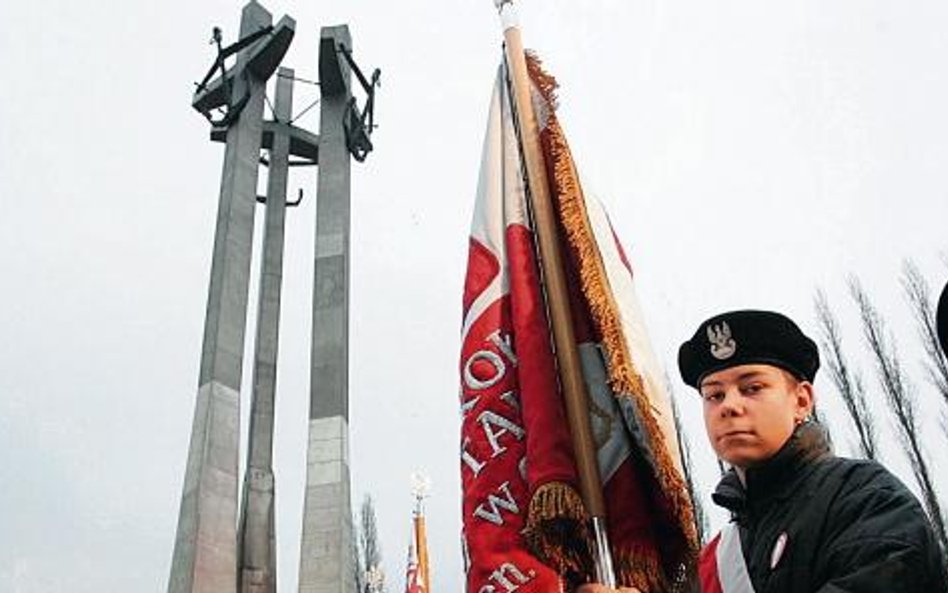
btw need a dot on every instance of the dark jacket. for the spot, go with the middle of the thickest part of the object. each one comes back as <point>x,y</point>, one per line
<point>850,526</point>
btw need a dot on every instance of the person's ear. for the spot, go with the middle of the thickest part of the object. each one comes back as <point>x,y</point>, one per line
<point>804,402</point>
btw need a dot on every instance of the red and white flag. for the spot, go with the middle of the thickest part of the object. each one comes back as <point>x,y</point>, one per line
<point>524,525</point>
<point>418,575</point>
<point>413,584</point>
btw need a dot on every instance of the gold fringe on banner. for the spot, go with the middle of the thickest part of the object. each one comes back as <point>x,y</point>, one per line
<point>641,568</point>
<point>556,529</point>
<point>623,377</point>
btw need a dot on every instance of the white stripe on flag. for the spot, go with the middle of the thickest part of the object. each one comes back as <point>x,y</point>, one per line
<point>501,198</point>
<point>732,571</point>
<point>622,286</point>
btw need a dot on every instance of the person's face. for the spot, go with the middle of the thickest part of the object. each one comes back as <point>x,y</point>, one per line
<point>751,410</point>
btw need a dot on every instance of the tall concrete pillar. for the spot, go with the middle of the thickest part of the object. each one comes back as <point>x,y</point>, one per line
<point>257,533</point>
<point>205,555</point>
<point>326,553</point>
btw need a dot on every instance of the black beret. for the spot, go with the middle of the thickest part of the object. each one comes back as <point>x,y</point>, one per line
<point>747,337</point>
<point>942,318</point>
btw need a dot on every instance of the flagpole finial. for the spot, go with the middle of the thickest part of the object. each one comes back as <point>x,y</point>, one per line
<point>420,485</point>
<point>508,13</point>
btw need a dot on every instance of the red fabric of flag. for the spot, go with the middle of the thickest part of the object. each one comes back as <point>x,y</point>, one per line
<point>506,358</point>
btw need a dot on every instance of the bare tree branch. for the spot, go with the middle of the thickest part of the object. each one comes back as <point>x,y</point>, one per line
<point>916,292</point>
<point>900,397</point>
<point>357,565</point>
<point>848,382</point>
<point>369,552</point>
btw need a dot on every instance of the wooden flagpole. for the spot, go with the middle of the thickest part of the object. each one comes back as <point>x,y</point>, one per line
<point>564,340</point>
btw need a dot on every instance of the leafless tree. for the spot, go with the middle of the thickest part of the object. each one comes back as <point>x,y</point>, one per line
<point>357,566</point>
<point>369,563</point>
<point>848,382</point>
<point>901,399</point>
<point>917,294</point>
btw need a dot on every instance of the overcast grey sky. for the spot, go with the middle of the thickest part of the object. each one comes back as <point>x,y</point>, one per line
<point>748,152</point>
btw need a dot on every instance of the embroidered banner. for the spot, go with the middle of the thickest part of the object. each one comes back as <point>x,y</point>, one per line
<point>523,520</point>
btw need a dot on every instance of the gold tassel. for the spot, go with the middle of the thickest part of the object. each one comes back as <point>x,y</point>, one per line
<point>556,530</point>
<point>641,568</point>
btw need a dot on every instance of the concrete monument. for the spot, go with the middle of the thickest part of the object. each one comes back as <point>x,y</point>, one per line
<point>216,550</point>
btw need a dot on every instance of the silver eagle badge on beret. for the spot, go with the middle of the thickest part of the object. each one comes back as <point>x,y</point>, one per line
<point>723,345</point>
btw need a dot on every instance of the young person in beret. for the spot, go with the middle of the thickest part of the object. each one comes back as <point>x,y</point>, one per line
<point>803,520</point>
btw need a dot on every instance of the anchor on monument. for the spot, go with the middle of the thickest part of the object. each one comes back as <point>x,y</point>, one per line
<point>268,46</point>
<point>217,95</point>
<point>359,124</point>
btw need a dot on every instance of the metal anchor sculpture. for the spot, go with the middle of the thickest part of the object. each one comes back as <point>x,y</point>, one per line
<point>215,95</point>
<point>359,125</point>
